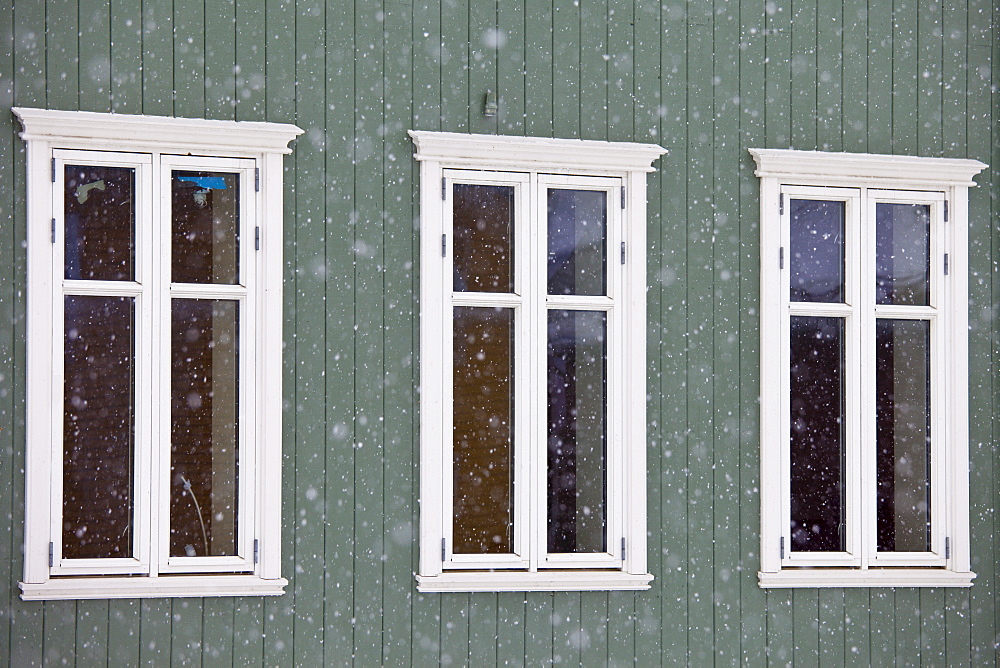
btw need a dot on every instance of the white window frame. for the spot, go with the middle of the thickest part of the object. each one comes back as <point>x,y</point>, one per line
<point>529,165</point>
<point>154,146</point>
<point>862,180</point>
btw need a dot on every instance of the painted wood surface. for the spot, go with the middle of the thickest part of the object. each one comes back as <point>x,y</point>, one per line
<point>707,80</point>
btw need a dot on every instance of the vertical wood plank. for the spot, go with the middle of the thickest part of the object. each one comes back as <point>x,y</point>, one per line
<point>62,55</point>
<point>538,54</point>
<point>123,632</point>
<point>929,51</point>
<point>250,60</point>
<point>154,631</point>
<point>95,55</point>
<point>805,627</point>
<point>830,74</point>
<point>484,38</point>
<point>831,627</point>
<point>157,57</point>
<point>189,58</point>
<point>219,637</point>
<point>907,635</point>
<point>854,112</point>
<point>248,632</point>
<point>510,627</point>
<point>593,638</point>
<point>126,51</point>
<point>627,67</point>
<point>566,42</point>
<point>880,39</point>
<point>932,631</point>
<point>594,50</point>
<point>778,74</point>
<point>455,629</point>
<point>511,77</point>
<point>538,648</point>
<point>92,641</point>
<point>804,74</point>
<point>857,631</point>
<point>566,631</point>
<point>483,630</point>
<point>59,633</point>
<point>401,286</point>
<point>186,630</point>
<point>905,63</point>
<point>455,107</point>
<point>621,628</point>
<point>780,636</point>
<point>882,642</point>
<point>220,59</point>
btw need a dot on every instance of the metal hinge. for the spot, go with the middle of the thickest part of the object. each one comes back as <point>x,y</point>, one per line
<point>623,252</point>
<point>53,230</point>
<point>947,548</point>
<point>53,170</point>
<point>256,238</point>
<point>946,267</point>
<point>256,550</point>
<point>623,548</point>
<point>52,558</point>
<point>623,197</point>
<point>442,549</point>
<point>782,545</point>
<point>256,179</point>
<point>444,189</point>
<point>946,211</point>
<point>444,245</point>
<point>781,257</point>
<point>781,204</point>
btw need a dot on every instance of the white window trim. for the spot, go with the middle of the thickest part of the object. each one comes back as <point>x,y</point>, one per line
<point>534,159</point>
<point>47,132</point>
<point>951,178</point>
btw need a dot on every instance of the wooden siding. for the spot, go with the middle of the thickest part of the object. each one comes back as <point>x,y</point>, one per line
<point>706,80</point>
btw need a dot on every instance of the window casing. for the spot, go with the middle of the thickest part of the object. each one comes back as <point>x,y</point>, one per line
<point>154,310</point>
<point>864,418</point>
<point>532,363</point>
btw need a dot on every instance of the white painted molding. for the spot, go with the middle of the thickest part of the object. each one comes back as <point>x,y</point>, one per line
<point>884,577</point>
<point>875,171</point>
<point>538,581</point>
<point>87,129</point>
<point>534,153</point>
<point>173,586</point>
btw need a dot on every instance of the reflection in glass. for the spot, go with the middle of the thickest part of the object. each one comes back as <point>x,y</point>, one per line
<point>483,223</point>
<point>902,386</point>
<point>483,423</point>
<point>816,258</point>
<point>577,233</point>
<point>577,433</point>
<point>817,433</point>
<point>902,253</point>
<point>204,405</point>
<point>99,211</point>
<point>98,427</point>
<point>205,223</point>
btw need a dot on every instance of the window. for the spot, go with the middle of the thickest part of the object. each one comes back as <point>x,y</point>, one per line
<point>864,381</point>
<point>154,327</point>
<point>533,375</point>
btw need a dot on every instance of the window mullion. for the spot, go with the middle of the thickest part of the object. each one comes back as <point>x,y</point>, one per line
<point>535,444</point>
<point>862,524</point>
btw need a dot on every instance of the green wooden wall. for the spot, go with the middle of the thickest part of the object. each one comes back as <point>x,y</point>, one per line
<point>706,79</point>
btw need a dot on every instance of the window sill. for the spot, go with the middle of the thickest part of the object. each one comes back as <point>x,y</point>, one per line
<point>174,586</point>
<point>882,577</point>
<point>540,581</point>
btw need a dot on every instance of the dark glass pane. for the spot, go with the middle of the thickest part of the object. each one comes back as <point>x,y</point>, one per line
<point>483,223</point>
<point>817,434</point>
<point>98,427</point>
<point>902,252</point>
<point>903,418</point>
<point>205,224</point>
<point>483,431</point>
<point>204,386</point>
<point>577,434</point>
<point>99,208</point>
<point>816,257</point>
<point>577,242</point>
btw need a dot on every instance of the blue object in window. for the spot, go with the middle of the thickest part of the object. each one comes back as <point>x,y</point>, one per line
<point>206,182</point>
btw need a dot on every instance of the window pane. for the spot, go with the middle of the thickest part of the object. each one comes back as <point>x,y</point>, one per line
<point>483,426</point>
<point>817,434</point>
<point>483,223</point>
<point>99,209</point>
<point>98,427</point>
<point>577,242</point>
<point>577,433</point>
<point>205,216</point>
<point>902,251</point>
<point>817,251</point>
<point>902,386</point>
<point>204,386</point>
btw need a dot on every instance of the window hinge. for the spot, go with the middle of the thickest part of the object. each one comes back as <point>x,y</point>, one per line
<point>781,257</point>
<point>52,553</point>
<point>256,550</point>
<point>54,172</point>
<point>444,245</point>
<point>256,238</point>
<point>623,197</point>
<point>623,548</point>
<point>53,230</point>
<point>444,189</point>
<point>256,179</point>
<point>947,548</point>
<point>623,252</point>
<point>781,204</point>
<point>782,544</point>
<point>945,210</point>
<point>946,264</point>
<point>442,549</point>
